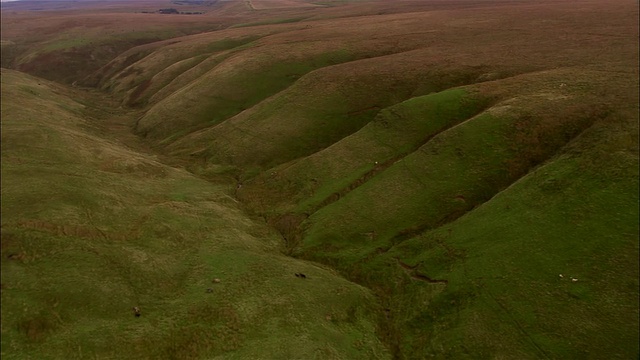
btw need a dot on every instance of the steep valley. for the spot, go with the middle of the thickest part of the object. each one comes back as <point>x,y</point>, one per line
<point>296,179</point>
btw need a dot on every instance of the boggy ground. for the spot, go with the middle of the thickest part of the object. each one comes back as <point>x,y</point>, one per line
<point>456,180</point>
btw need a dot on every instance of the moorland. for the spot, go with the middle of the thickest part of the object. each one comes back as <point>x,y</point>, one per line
<point>319,179</point>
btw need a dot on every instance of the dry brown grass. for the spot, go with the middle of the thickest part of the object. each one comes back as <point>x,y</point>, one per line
<point>487,42</point>
<point>544,34</point>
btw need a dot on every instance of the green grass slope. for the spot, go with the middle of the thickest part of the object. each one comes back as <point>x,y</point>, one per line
<point>542,183</point>
<point>317,111</point>
<point>472,166</point>
<point>459,168</point>
<point>240,83</point>
<point>135,74</point>
<point>514,182</point>
<point>324,176</point>
<point>91,228</point>
<point>509,264</point>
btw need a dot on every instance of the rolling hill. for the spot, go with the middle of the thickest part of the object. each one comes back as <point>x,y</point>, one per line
<point>455,180</point>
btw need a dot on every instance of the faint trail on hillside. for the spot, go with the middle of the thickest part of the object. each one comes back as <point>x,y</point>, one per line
<point>517,324</point>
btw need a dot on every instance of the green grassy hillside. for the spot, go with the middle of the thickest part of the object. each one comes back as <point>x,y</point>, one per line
<point>457,169</point>
<point>509,264</point>
<point>91,228</point>
<point>456,180</point>
<point>497,282</point>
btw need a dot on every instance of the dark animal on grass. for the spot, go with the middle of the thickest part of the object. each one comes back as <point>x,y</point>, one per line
<point>136,311</point>
<point>301,275</point>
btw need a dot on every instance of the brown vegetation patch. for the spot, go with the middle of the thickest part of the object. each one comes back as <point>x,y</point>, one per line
<point>36,328</point>
<point>7,240</point>
<point>133,98</point>
<point>539,136</point>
